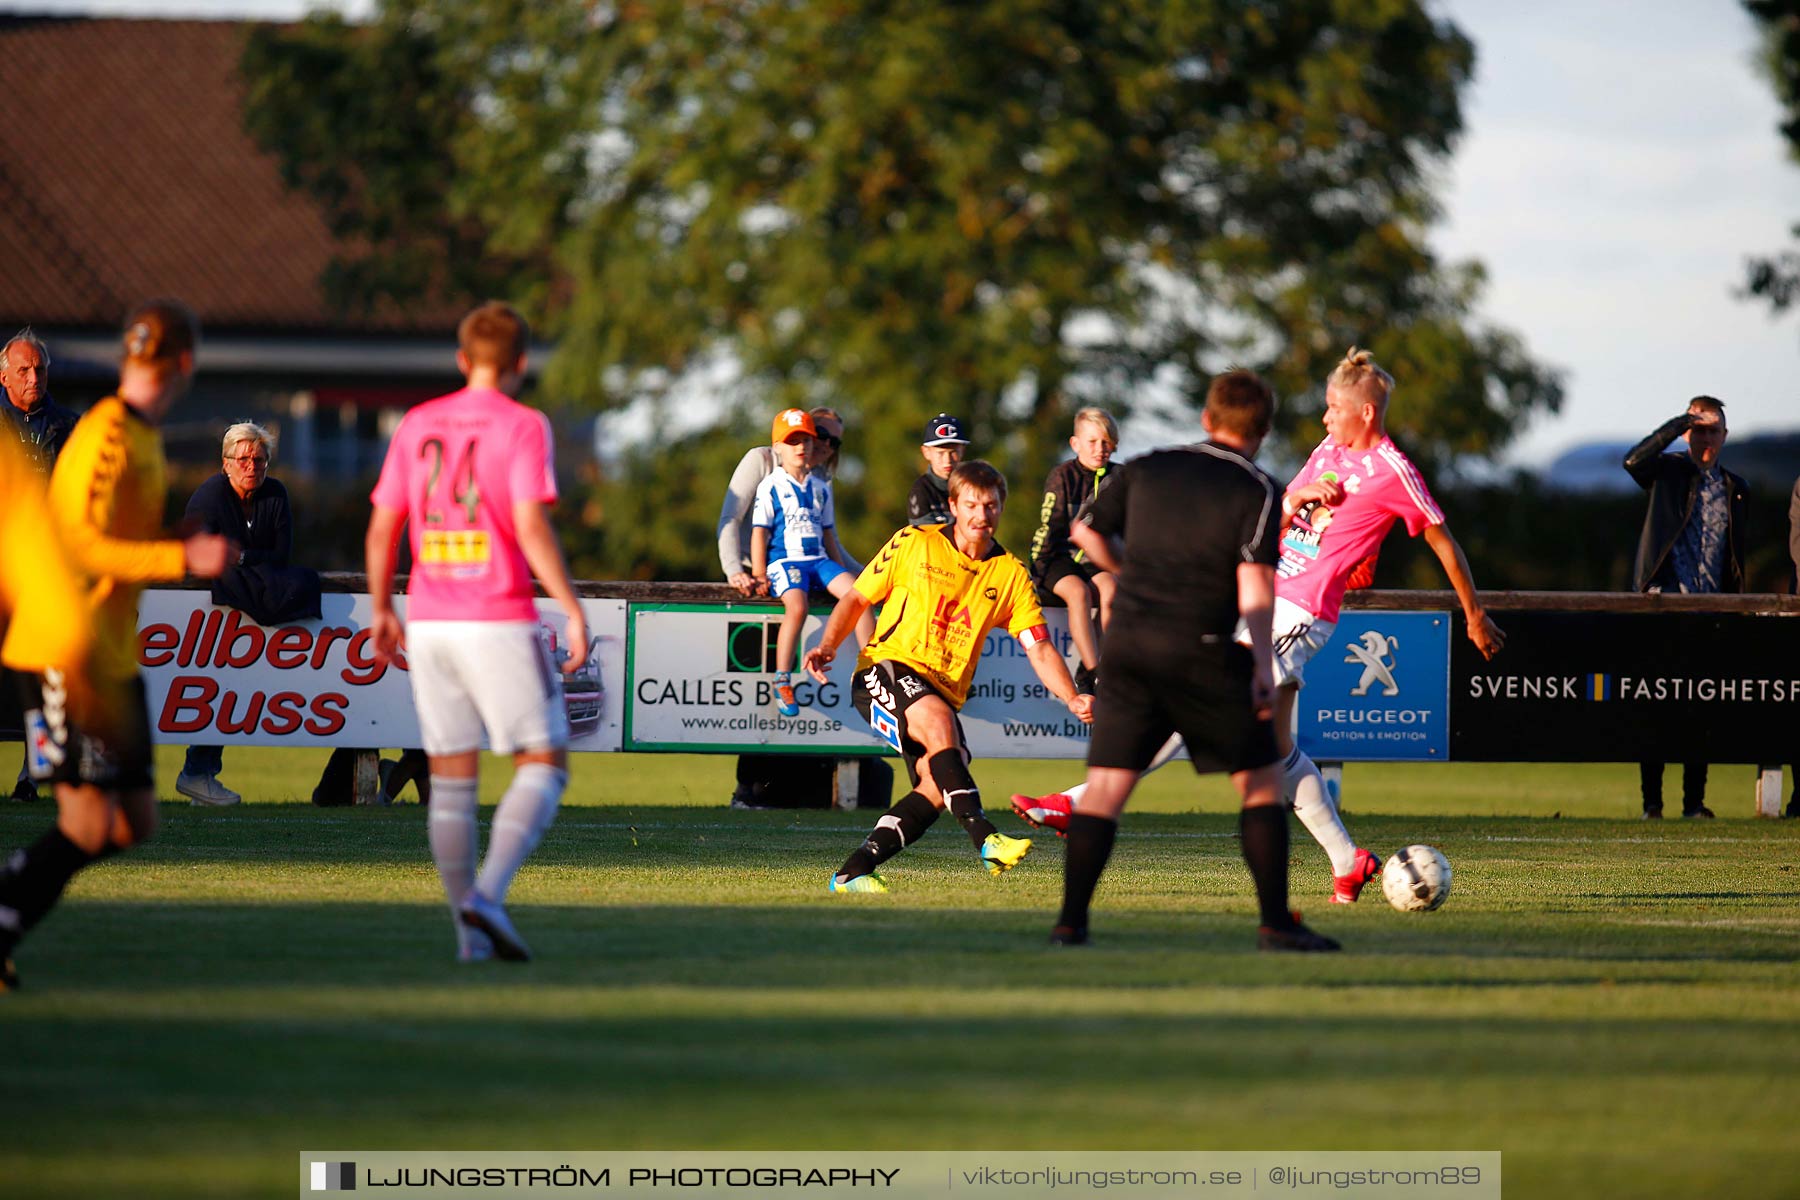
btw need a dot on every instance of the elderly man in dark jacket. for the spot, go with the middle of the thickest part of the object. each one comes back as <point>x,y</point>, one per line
<point>41,423</point>
<point>42,426</point>
<point>1692,541</point>
<point>243,503</point>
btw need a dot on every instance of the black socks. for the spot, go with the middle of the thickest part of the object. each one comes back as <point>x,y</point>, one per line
<point>1089,846</point>
<point>961,796</point>
<point>1264,831</point>
<point>898,828</point>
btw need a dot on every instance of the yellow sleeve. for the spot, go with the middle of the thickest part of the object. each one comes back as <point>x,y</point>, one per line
<point>877,579</point>
<point>84,500</point>
<point>1026,611</point>
<point>47,621</point>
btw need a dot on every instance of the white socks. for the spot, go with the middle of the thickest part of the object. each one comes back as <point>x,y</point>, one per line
<point>525,812</point>
<point>1305,791</point>
<point>1169,750</point>
<point>451,831</point>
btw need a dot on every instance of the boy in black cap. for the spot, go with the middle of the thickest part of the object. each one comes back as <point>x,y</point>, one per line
<point>929,501</point>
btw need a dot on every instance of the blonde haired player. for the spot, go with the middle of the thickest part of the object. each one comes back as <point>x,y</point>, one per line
<point>471,475</point>
<point>1334,515</point>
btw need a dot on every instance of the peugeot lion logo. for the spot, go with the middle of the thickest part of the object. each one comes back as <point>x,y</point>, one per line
<point>1376,654</point>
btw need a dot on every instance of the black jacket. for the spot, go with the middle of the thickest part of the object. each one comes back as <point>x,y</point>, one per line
<point>1673,481</point>
<point>44,429</point>
<point>1068,486</point>
<point>264,586</point>
<point>929,501</point>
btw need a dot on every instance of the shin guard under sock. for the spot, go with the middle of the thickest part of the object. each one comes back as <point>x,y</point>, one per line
<point>961,796</point>
<point>1305,790</point>
<point>898,828</point>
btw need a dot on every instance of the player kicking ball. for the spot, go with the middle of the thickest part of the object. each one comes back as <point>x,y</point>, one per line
<point>1333,518</point>
<point>942,588</point>
<point>471,475</point>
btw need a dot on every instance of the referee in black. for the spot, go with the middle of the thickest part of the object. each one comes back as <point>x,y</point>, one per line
<point>1192,534</point>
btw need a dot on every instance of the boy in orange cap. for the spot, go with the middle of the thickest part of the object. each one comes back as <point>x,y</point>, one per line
<point>794,520</point>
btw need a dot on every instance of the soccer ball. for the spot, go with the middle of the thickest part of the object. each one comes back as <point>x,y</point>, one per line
<point>1417,879</point>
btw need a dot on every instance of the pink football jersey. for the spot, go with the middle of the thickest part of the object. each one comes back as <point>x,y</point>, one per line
<point>1325,543</point>
<point>455,467</point>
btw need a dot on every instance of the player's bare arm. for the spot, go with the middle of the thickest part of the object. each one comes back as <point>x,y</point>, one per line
<point>1053,672</point>
<point>537,542</point>
<point>1482,631</point>
<point>1104,552</point>
<point>850,609</point>
<point>379,546</point>
<point>1256,606</point>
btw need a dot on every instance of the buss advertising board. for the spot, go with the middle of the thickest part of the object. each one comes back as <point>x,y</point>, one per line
<point>216,677</point>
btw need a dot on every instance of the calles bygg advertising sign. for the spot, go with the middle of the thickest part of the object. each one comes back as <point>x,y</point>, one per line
<point>703,678</point>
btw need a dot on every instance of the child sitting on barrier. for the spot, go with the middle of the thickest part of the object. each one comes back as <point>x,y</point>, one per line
<point>793,518</point>
<point>1057,568</point>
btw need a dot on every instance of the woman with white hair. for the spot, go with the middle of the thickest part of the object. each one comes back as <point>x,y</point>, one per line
<point>243,503</point>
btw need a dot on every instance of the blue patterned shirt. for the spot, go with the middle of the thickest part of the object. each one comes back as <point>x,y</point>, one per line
<point>1699,550</point>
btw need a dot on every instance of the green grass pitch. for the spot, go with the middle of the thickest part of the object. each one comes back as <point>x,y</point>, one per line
<point>1614,1005</point>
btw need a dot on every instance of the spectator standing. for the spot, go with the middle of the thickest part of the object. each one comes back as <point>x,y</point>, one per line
<point>1793,808</point>
<point>106,499</point>
<point>1692,542</point>
<point>944,445</point>
<point>244,503</point>
<point>42,426</point>
<point>794,520</point>
<point>1060,569</point>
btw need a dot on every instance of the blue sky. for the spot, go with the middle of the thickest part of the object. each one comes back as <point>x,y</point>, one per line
<point>1620,161</point>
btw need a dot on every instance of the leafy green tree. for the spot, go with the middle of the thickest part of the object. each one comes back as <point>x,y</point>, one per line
<point>1003,210</point>
<point>1775,278</point>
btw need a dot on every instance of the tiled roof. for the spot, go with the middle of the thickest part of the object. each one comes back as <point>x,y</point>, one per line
<point>125,173</point>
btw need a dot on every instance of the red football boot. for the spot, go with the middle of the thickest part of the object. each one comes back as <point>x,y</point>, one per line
<point>1046,812</point>
<point>1347,888</point>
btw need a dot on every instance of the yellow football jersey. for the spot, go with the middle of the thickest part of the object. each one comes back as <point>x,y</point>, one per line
<point>47,623</point>
<point>938,605</point>
<point>106,496</point>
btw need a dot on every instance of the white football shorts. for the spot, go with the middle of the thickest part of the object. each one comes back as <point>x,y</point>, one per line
<point>468,676</point>
<point>1298,636</point>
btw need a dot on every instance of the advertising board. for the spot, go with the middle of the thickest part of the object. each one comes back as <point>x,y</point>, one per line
<point>1379,690</point>
<point>216,677</point>
<point>702,677</point>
